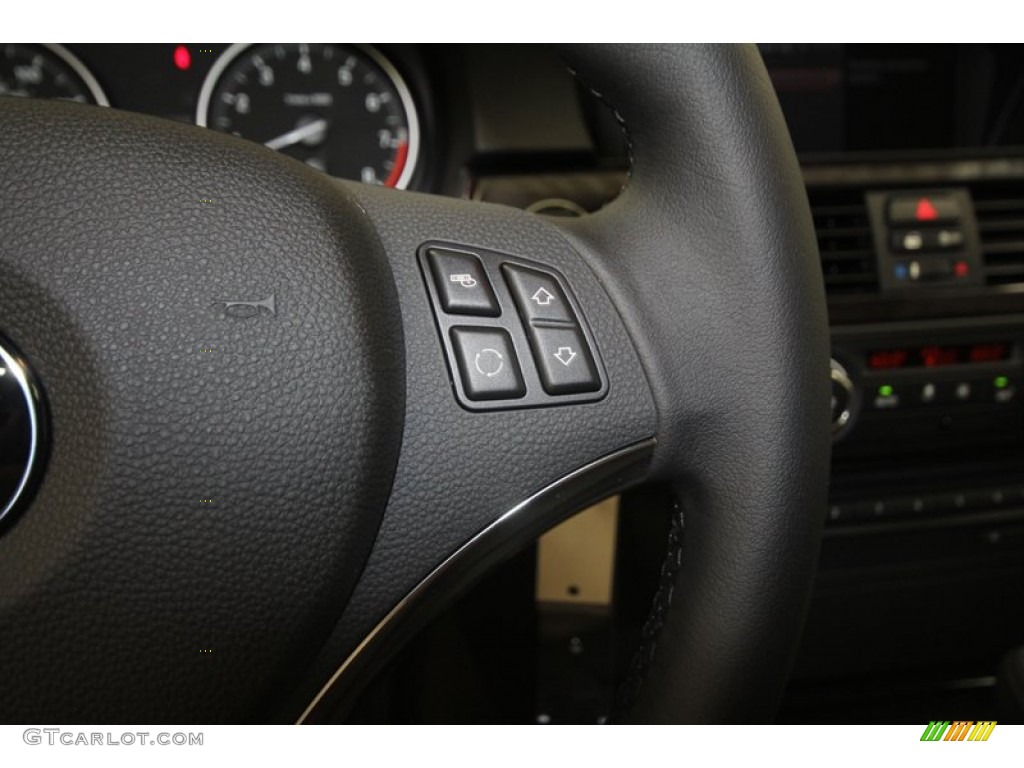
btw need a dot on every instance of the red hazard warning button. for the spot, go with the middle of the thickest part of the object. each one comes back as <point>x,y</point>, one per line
<point>924,208</point>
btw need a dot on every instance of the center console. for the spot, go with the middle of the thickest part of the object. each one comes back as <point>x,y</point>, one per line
<point>928,343</point>
<point>922,566</point>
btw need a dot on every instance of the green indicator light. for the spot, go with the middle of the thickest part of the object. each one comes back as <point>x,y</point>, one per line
<point>1001,382</point>
<point>885,390</point>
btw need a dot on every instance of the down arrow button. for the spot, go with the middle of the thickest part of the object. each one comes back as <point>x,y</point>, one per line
<point>564,361</point>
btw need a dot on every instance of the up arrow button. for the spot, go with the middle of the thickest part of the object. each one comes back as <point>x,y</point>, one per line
<point>542,297</point>
<point>538,294</point>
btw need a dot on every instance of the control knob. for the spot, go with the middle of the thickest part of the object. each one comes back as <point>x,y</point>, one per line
<point>843,400</point>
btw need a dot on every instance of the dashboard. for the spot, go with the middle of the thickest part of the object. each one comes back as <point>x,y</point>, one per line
<point>856,98</point>
<point>914,166</point>
<point>913,157</point>
<point>409,116</point>
<point>429,118</point>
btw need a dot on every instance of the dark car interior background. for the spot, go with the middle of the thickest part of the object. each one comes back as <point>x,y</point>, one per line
<point>913,158</point>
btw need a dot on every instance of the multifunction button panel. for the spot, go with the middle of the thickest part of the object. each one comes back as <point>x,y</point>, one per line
<point>513,333</point>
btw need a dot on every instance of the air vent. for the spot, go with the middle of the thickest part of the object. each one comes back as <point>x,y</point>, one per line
<point>1000,212</point>
<point>844,239</point>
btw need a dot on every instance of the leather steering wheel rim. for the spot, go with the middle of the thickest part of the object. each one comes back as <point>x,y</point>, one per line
<point>731,191</point>
<point>233,507</point>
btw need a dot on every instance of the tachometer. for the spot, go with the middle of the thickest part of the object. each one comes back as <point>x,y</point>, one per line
<point>47,72</point>
<point>343,109</point>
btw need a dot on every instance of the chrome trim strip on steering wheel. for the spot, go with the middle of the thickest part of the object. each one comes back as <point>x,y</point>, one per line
<point>513,530</point>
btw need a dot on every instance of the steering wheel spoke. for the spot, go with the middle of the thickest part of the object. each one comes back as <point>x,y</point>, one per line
<point>481,474</point>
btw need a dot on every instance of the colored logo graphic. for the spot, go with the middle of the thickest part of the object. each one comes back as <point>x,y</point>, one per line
<point>960,730</point>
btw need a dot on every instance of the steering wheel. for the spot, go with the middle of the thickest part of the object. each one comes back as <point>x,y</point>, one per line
<point>279,437</point>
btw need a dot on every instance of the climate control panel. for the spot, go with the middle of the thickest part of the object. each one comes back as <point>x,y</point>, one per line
<point>919,411</point>
<point>903,393</point>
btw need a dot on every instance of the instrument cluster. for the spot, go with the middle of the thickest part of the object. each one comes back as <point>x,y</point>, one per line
<point>344,109</point>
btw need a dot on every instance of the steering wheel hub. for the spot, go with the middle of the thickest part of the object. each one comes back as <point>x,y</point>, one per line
<point>219,336</point>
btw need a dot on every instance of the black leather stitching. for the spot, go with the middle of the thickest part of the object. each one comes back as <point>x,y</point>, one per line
<point>618,118</point>
<point>651,631</point>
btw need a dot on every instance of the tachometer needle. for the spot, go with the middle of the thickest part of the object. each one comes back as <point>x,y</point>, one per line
<point>295,135</point>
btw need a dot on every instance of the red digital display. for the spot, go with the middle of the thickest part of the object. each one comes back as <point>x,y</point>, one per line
<point>989,353</point>
<point>888,359</point>
<point>936,355</point>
